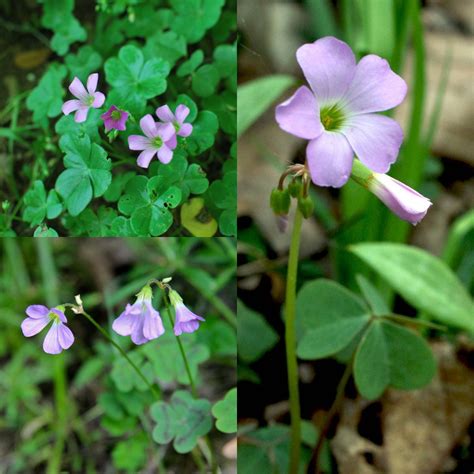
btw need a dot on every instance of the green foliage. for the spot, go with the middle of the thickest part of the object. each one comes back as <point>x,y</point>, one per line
<point>131,454</point>
<point>86,61</point>
<point>39,205</point>
<point>225,412</point>
<point>182,421</point>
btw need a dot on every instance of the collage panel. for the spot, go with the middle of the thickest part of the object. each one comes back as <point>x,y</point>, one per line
<point>117,355</point>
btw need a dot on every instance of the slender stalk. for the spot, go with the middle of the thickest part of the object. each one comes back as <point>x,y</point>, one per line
<point>290,341</point>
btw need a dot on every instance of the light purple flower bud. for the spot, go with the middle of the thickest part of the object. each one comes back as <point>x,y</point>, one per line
<point>85,98</point>
<point>114,119</point>
<point>140,320</point>
<point>177,119</point>
<point>59,336</point>
<point>186,320</point>
<point>404,201</point>
<point>282,222</point>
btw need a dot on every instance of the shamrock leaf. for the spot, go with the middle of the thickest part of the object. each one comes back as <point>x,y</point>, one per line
<point>184,419</point>
<point>66,125</point>
<point>225,57</point>
<point>205,80</point>
<point>87,173</point>
<point>39,205</point>
<point>223,194</point>
<point>93,224</point>
<point>148,203</point>
<point>147,20</point>
<point>45,100</point>
<point>165,45</point>
<point>44,231</point>
<point>135,80</point>
<point>225,107</point>
<point>225,412</point>
<point>86,61</point>
<point>194,17</point>
<point>204,133</point>
<point>131,454</point>
<point>189,66</point>
<point>125,377</point>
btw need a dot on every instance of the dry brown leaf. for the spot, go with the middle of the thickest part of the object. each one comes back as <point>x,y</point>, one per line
<point>32,58</point>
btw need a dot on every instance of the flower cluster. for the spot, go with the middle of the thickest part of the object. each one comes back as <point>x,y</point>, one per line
<point>160,138</point>
<point>139,320</point>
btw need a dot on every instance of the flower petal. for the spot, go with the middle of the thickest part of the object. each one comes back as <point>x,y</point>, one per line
<point>181,113</point>
<point>164,114</point>
<point>76,88</point>
<point>60,314</point>
<point>99,100</point>
<point>51,343</point>
<point>375,87</point>
<point>153,325</point>
<point>185,130</point>
<point>65,336</point>
<point>137,331</point>
<point>81,115</point>
<point>172,143</point>
<point>71,106</point>
<point>92,83</point>
<point>148,126</point>
<point>329,66</point>
<point>299,115</point>
<point>32,326</point>
<point>165,154</point>
<point>37,311</point>
<point>123,325</point>
<point>329,159</point>
<point>145,157</point>
<point>138,142</point>
<point>375,139</point>
<point>165,131</point>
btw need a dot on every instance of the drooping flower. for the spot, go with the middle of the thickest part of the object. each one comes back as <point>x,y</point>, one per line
<point>59,336</point>
<point>177,119</point>
<point>159,139</point>
<point>114,119</point>
<point>186,320</point>
<point>85,98</point>
<point>337,114</point>
<point>140,320</point>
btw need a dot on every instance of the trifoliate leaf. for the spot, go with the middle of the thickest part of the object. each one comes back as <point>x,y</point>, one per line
<point>189,66</point>
<point>39,205</point>
<point>205,80</point>
<point>165,45</point>
<point>225,412</point>
<point>86,61</point>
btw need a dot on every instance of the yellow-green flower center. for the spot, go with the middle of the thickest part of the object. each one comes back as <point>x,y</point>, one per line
<point>157,142</point>
<point>176,126</point>
<point>90,100</point>
<point>54,317</point>
<point>332,117</point>
<point>115,115</point>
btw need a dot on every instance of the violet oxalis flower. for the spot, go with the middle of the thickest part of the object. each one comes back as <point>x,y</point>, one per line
<point>140,320</point>
<point>186,320</point>
<point>337,114</point>
<point>114,118</point>
<point>59,336</point>
<point>177,119</point>
<point>85,98</point>
<point>159,139</point>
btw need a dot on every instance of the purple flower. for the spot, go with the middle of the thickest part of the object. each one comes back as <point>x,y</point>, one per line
<point>177,119</point>
<point>114,118</point>
<point>186,320</point>
<point>402,200</point>
<point>337,114</point>
<point>140,320</point>
<point>59,336</point>
<point>85,98</point>
<point>159,139</point>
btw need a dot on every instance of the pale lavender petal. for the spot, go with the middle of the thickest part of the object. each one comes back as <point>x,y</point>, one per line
<point>165,131</point>
<point>92,83</point>
<point>138,142</point>
<point>172,142</point>
<point>299,115</point>
<point>375,139</point>
<point>77,89</point>
<point>181,113</point>
<point>65,336</point>
<point>71,106</point>
<point>165,155</point>
<point>164,113</point>
<point>99,100</point>
<point>153,325</point>
<point>51,343</point>
<point>375,87</point>
<point>59,314</point>
<point>137,331</point>
<point>145,157</point>
<point>186,320</point>
<point>329,66</point>
<point>185,130</point>
<point>81,115</point>
<point>148,126</point>
<point>32,326</point>
<point>329,159</point>
<point>37,311</point>
<point>123,325</point>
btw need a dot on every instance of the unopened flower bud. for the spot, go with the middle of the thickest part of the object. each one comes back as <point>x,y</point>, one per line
<point>306,206</point>
<point>280,201</point>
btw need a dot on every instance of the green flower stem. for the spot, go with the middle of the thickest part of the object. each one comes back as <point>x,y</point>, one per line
<point>290,342</point>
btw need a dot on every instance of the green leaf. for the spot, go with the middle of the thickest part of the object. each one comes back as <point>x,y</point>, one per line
<point>329,317</point>
<point>38,205</point>
<point>66,125</point>
<point>375,300</point>
<point>205,80</point>
<point>45,100</point>
<point>95,224</point>
<point>225,412</point>
<point>389,354</point>
<point>124,376</point>
<point>225,107</point>
<point>87,173</point>
<point>423,280</point>
<point>131,454</point>
<point>255,97</point>
<point>43,231</point>
<point>204,133</point>
<point>190,65</point>
<point>225,57</point>
<point>256,336</point>
<point>194,17</point>
<point>166,45</point>
<point>86,61</point>
<point>184,419</point>
<point>223,194</point>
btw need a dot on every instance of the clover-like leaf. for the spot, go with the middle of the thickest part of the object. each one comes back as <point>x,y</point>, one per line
<point>223,194</point>
<point>165,45</point>
<point>125,377</point>
<point>67,125</point>
<point>190,65</point>
<point>204,133</point>
<point>131,454</point>
<point>86,61</point>
<point>39,205</point>
<point>205,80</point>
<point>184,419</point>
<point>87,173</point>
<point>93,223</point>
<point>225,412</point>
<point>44,231</point>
